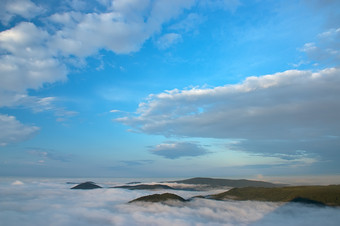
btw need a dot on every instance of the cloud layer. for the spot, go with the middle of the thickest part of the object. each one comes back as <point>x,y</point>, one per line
<point>297,108</point>
<point>44,202</point>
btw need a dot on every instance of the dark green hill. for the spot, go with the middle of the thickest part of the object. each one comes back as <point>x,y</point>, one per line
<point>326,195</point>
<point>161,198</point>
<point>145,187</point>
<point>86,185</point>
<point>212,182</point>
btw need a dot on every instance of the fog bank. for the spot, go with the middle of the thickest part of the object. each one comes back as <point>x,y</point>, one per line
<point>51,202</point>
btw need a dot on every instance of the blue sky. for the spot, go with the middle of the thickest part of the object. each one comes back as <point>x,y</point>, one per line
<point>127,88</point>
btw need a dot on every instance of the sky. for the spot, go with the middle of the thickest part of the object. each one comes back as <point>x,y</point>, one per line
<point>181,88</point>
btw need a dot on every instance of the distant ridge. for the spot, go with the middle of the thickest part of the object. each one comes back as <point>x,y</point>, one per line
<point>145,187</point>
<point>214,182</point>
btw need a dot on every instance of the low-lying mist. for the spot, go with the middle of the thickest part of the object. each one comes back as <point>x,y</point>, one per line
<point>52,202</point>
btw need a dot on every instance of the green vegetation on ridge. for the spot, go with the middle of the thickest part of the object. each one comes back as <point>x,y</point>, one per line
<point>165,197</point>
<point>327,195</point>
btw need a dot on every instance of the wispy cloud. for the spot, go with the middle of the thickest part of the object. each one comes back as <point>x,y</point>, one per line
<point>49,154</point>
<point>168,40</point>
<point>13,131</point>
<point>327,48</point>
<point>136,162</point>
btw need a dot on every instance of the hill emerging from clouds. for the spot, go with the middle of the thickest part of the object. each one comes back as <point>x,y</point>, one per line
<point>162,198</point>
<point>86,186</point>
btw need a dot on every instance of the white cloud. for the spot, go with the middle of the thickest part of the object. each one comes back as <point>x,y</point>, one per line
<point>174,150</point>
<point>292,106</point>
<point>28,62</point>
<point>13,131</point>
<point>115,111</point>
<point>122,30</point>
<point>32,56</point>
<point>100,31</point>
<point>17,182</point>
<point>24,8</point>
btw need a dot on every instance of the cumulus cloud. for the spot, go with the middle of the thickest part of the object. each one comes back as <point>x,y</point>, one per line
<point>13,131</point>
<point>283,105</point>
<point>35,54</point>
<point>27,62</point>
<point>42,202</point>
<point>292,106</point>
<point>24,8</point>
<point>174,150</point>
<point>122,30</point>
<point>100,31</point>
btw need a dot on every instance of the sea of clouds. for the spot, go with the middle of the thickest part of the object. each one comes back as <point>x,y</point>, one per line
<point>52,202</point>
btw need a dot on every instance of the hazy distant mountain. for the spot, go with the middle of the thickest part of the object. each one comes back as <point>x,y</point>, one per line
<point>163,198</point>
<point>212,182</point>
<point>324,195</point>
<point>145,187</point>
<point>134,182</point>
<point>86,185</point>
